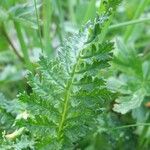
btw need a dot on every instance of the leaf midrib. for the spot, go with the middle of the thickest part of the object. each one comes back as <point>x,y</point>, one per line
<point>67,96</point>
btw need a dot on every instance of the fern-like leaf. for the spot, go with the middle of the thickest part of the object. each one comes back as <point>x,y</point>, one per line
<point>68,93</point>
<point>8,112</point>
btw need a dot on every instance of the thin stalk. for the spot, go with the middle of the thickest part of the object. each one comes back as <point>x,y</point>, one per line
<point>131,125</point>
<point>128,23</point>
<point>61,20</point>
<point>11,44</point>
<point>66,99</point>
<point>47,14</point>
<point>38,23</point>
<point>23,45</point>
<point>89,11</point>
<point>71,11</point>
<point>137,14</point>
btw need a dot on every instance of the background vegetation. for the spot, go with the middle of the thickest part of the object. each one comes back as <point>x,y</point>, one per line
<point>31,28</point>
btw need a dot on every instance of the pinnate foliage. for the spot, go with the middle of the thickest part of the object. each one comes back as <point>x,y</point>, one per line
<point>133,81</point>
<point>9,111</point>
<point>21,13</point>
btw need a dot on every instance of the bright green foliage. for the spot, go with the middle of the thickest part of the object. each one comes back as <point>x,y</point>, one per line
<point>19,144</point>
<point>133,81</point>
<point>9,111</point>
<point>67,91</point>
<point>22,14</point>
<point>6,118</point>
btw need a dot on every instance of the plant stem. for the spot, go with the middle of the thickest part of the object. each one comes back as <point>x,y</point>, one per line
<point>71,11</point>
<point>61,20</point>
<point>47,14</point>
<point>23,45</point>
<point>11,44</point>
<point>67,98</point>
<point>89,11</point>
<point>132,22</point>
<point>137,14</point>
<point>38,23</point>
<point>131,125</point>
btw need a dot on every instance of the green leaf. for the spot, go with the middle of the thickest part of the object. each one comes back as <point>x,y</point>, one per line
<point>127,60</point>
<point>24,14</point>
<point>19,144</point>
<point>68,85</point>
<point>9,111</point>
<point>127,103</point>
<point>132,82</point>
